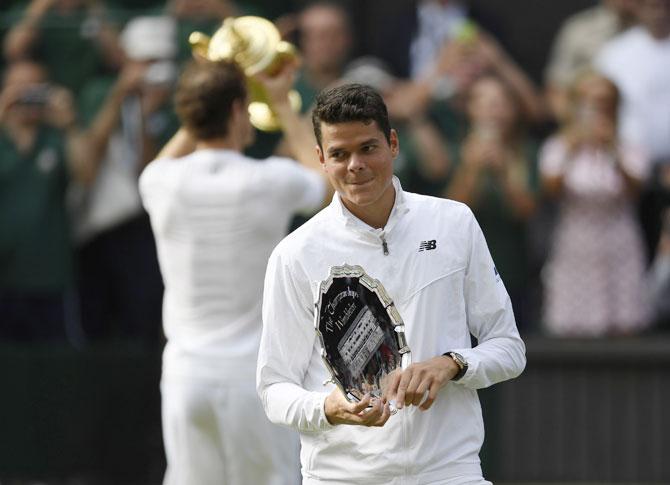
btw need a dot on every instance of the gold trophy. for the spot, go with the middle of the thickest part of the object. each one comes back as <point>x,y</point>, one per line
<point>255,45</point>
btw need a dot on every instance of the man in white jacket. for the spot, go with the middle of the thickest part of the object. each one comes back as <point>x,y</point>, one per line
<point>432,258</point>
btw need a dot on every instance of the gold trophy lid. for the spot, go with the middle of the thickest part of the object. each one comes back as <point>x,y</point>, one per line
<point>251,42</point>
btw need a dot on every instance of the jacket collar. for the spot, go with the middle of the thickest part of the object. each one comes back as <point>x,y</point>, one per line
<point>345,216</point>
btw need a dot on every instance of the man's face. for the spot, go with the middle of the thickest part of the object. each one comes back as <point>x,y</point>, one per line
<point>325,38</point>
<point>655,16</point>
<point>24,81</point>
<point>359,163</point>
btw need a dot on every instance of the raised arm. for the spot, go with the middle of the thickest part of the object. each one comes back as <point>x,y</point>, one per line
<point>530,98</point>
<point>108,117</point>
<point>297,131</point>
<point>22,37</point>
<point>61,114</point>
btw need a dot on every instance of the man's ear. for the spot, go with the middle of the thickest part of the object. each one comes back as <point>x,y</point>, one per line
<point>394,143</point>
<point>322,159</point>
<point>239,107</point>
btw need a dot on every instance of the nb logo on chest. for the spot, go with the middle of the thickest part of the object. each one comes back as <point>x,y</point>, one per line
<point>428,245</point>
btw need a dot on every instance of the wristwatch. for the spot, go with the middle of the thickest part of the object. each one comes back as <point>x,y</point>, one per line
<point>460,362</point>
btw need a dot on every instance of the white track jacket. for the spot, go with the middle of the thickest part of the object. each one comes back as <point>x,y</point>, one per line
<point>439,272</point>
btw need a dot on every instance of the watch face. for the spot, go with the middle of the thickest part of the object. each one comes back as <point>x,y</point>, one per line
<point>460,362</point>
<point>458,358</point>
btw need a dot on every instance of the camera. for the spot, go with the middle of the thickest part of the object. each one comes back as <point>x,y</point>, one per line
<point>160,73</point>
<point>35,95</point>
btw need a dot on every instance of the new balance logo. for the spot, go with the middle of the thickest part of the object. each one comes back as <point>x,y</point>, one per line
<point>427,245</point>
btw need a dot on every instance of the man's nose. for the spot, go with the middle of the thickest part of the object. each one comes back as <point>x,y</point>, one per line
<point>356,162</point>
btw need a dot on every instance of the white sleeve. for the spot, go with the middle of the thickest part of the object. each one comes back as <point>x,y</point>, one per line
<point>298,188</point>
<point>635,161</point>
<point>500,353</point>
<point>157,185</point>
<point>286,348</point>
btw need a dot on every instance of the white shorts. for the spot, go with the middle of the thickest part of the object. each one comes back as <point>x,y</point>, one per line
<point>216,433</point>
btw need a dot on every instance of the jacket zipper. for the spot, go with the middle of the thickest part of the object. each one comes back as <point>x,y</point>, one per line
<point>385,246</point>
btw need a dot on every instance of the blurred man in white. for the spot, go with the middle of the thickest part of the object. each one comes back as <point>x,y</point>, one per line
<point>638,62</point>
<point>216,216</point>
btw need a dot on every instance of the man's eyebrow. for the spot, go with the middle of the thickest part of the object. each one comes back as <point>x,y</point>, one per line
<point>332,150</point>
<point>369,141</point>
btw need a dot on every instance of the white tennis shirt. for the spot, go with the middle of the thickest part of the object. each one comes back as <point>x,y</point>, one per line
<point>216,216</point>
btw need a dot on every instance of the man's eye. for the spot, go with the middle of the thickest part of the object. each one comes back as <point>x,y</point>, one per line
<point>337,155</point>
<point>368,148</point>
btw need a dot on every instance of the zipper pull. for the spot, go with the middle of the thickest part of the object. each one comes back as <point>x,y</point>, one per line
<point>385,246</point>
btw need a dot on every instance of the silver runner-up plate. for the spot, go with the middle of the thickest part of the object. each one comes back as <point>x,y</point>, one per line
<point>362,335</point>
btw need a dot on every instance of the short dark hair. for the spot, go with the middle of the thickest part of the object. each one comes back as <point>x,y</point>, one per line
<point>205,95</point>
<point>350,102</point>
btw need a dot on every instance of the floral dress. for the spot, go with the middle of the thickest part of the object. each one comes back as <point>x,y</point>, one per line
<point>594,276</point>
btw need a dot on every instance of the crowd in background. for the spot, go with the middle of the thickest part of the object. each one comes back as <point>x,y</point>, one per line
<point>570,180</point>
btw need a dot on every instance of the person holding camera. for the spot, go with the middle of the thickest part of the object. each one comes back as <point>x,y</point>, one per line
<point>497,179</point>
<point>128,119</point>
<point>595,269</point>
<point>56,32</point>
<point>41,150</point>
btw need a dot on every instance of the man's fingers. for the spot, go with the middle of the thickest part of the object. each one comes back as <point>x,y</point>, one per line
<point>386,414</point>
<point>360,406</point>
<point>427,403</point>
<point>421,392</point>
<point>405,379</point>
<point>391,385</point>
<point>412,392</point>
<point>432,395</point>
<point>372,413</point>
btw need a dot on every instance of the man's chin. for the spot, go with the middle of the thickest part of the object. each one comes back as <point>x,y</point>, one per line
<point>359,200</point>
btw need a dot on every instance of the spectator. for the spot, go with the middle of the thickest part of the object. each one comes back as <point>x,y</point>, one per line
<point>638,62</point>
<point>594,274</point>
<point>58,32</point>
<point>496,177</point>
<point>423,162</point>
<point>41,147</point>
<point>659,278</point>
<point>459,52</point>
<point>578,41</point>
<point>438,22</point>
<point>325,40</point>
<point>120,284</point>
<point>197,15</point>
